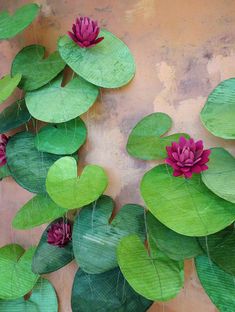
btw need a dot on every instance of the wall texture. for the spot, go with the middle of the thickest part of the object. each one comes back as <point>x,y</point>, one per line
<point>183,49</point>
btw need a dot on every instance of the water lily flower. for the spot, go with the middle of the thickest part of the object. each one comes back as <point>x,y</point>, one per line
<point>3,144</point>
<point>187,157</point>
<point>85,32</point>
<point>59,234</point>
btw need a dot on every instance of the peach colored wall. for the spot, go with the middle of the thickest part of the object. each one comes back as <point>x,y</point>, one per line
<point>183,49</point>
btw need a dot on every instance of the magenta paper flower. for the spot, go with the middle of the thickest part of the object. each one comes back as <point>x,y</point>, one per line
<point>187,157</point>
<point>3,144</point>
<point>85,32</point>
<point>59,234</point>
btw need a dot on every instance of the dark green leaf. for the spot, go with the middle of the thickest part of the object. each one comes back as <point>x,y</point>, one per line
<point>4,172</point>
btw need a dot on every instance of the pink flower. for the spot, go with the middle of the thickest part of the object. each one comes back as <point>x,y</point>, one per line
<point>3,144</point>
<point>187,157</point>
<point>85,32</point>
<point>59,234</point>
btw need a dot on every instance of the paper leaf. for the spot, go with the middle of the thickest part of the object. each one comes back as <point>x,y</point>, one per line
<point>27,165</point>
<point>11,25</point>
<point>109,64</point>
<point>70,191</point>
<point>220,177</point>
<point>107,292</point>
<point>95,239</point>
<point>218,114</point>
<point>146,140</point>
<point>218,284</point>
<point>17,278</point>
<point>154,275</point>
<point>7,85</point>
<point>4,172</point>
<point>185,206</point>
<point>36,71</point>
<point>39,210</point>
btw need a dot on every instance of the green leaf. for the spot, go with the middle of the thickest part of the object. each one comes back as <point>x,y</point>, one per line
<point>53,103</point>
<point>11,25</point>
<point>174,245</point>
<point>218,114</point>
<point>27,165</point>
<point>39,210</point>
<point>4,172</point>
<point>146,141</point>
<point>218,284</point>
<point>95,239</point>
<point>7,85</point>
<point>14,116</point>
<point>49,258</point>
<point>70,191</point>
<point>107,292</point>
<point>42,299</point>
<point>109,64</point>
<point>17,278</point>
<point>154,275</point>
<point>220,177</point>
<point>36,71</point>
<point>185,206</point>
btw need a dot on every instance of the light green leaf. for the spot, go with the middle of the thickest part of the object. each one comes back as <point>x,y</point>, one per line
<point>185,206</point>
<point>218,114</point>
<point>4,172</point>
<point>95,239</point>
<point>70,191</point>
<point>11,25</point>
<point>36,71</point>
<point>7,85</point>
<point>146,141</point>
<point>109,64</point>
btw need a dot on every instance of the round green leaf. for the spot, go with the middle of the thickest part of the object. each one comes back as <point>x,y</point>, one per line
<point>11,25</point>
<point>53,103</point>
<point>42,299</point>
<point>153,275</point>
<point>49,258</point>
<point>146,141</point>
<point>7,85</point>
<point>95,239</point>
<point>106,292</point>
<point>14,116</point>
<point>70,191</point>
<point>17,278</point>
<point>218,114</point>
<point>39,210</point>
<point>218,284</point>
<point>27,165</point>
<point>36,71</point>
<point>174,245</point>
<point>4,172</point>
<point>220,177</point>
<point>109,64</point>
<point>185,206</point>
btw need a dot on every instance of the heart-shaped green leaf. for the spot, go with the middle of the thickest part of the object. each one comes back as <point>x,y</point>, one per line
<point>39,210</point>
<point>4,172</point>
<point>53,103</point>
<point>42,299</point>
<point>218,284</point>
<point>27,165</point>
<point>218,114</point>
<point>14,116</point>
<point>107,292</point>
<point>36,71</point>
<point>11,25</point>
<point>146,141</point>
<point>186,206</point>
<point>8,85</point>
<point>110,64</point>
<point>49,258</point>
<point>153,275</point>
<point>17,278</point>
<point>220,177</point>
<point>95,239</point>
<point>174,245</point>
<point>70,191</point>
